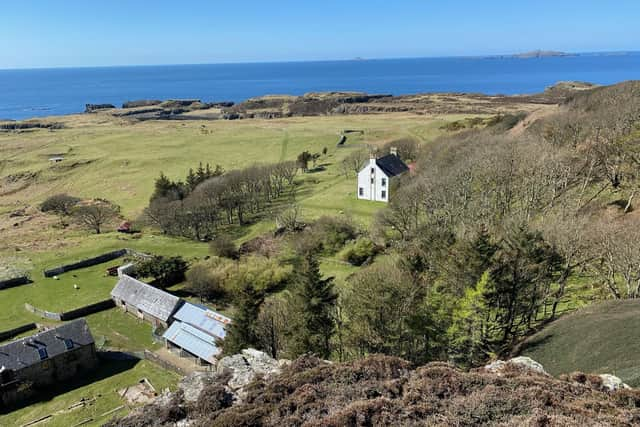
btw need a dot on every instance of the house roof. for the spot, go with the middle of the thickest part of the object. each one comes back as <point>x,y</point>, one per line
<point>45,345</point>
<point>392,165</point>
<point>203,319</point>
<point>151,300</point>
<point>194,340</point>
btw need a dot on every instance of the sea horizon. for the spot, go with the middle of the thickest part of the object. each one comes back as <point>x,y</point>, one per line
<point>301,61</point>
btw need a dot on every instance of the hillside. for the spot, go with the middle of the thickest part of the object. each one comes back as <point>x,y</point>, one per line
<point>599,338</point>
<point>380,390</point>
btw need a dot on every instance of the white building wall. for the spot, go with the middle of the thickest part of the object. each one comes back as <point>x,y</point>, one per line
<point>373,183</point>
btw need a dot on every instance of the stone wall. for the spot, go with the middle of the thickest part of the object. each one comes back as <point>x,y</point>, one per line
<point>86,263</point>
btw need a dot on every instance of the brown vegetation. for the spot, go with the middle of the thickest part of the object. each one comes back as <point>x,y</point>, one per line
<point>383,390</point>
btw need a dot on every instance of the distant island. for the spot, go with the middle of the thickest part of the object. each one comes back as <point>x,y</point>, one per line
<point>536,54</point>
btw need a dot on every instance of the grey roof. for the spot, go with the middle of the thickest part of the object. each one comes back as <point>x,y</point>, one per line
<point>50,343</point>
<point>392,165</point>
<point>151,300</point>
<point>194,340</point>
<point>204,319</point>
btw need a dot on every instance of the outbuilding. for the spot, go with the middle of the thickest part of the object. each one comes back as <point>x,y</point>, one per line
<point>145,301</point>
<point>197,332</point>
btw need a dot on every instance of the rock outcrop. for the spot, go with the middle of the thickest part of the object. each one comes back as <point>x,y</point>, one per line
<point>91,108</point>
<point>519,363</point>
<point>236,371</point>
<point>612,383</point>
<point>243,368</point>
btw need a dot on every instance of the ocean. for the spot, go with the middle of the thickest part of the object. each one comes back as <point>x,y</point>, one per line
<point>45,92</point>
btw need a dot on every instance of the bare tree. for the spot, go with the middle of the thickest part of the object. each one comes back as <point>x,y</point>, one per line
<point>96,213</point>
<point>271,326</point>
<point>354,162</point>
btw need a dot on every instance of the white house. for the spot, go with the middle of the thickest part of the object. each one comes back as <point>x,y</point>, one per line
<point>374,178</point>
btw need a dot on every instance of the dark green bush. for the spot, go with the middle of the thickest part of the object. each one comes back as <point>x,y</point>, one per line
<point>358,251</point>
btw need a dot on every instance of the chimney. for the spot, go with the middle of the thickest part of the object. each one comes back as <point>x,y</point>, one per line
<point>394,151</point>
<point>372,157</point>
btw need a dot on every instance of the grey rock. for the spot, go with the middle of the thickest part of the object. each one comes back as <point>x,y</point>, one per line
<point>613,383</point>
<point>245,367</point>
<point>524,362</point>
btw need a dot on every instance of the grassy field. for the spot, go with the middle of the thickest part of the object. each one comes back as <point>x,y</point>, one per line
<point>601,338</point>
<point>111,158</point>
<point>101,385</point>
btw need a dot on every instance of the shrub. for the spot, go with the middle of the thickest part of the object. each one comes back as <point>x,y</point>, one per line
<point>334,232</point>
<point>203,282</point>
<point>212,398</point>
<point>328,235</point>
<point>166,271</point>
<point>60,204</point>
<point>223,247</point>
<point>358,251</point>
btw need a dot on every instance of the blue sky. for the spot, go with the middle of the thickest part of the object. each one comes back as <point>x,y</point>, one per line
<point>52,33</point>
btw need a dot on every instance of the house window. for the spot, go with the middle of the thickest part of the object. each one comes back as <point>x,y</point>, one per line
<point>68,344</point>
<point>373,171</point>
<point>372,180</point>
<point>384,182</point>
<point>384,194</point>
<point>361,191</point>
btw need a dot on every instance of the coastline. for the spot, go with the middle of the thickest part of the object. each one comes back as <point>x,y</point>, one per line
<point>310,104</point>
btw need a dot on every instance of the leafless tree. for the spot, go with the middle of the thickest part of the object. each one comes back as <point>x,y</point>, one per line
<point>96,213</point>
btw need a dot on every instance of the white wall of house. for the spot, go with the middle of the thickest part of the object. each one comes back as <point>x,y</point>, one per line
<point>373,183</point>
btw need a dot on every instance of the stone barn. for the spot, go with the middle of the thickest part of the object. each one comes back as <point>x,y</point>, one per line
<point>145,301</point>
<point>47,358</point>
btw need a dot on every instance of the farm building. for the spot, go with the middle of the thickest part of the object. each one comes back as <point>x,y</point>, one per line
<point>196,332</point>
<point>375,177</point>
<point>46,358</point>
<point>145,301</point>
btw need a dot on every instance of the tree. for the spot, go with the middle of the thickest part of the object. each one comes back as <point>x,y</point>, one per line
<point>303,160</point>
<point>354,162</point>
<point>203,283</point>
<point>96,213</point>
<point>387,313</point>
<point>242,333</point>
<point>407,148</point>
<point>165,271</point>
<point>522,271</point>
<point>289,219</point>
<point>469,328</point>
<point>271,326</point>
<point>223,246</point>
<point>60,204</point>
<point>314,299</point>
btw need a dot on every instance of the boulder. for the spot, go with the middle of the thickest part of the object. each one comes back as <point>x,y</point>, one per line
<point>243,368</point>
<point>522,362</point>
<point>194,383</point>
<point>612,383</point>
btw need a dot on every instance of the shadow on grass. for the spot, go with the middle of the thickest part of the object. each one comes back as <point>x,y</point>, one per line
<point>104,370</point>
<point>533,344</point>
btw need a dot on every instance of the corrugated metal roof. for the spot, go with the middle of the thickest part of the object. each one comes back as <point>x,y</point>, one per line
<point>45,345</point>
<point>204,319</point>
<point>147,298</point>
<point>193,340</point>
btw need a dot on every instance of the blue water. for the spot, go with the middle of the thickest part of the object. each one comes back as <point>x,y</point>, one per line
<point>44,92</point>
